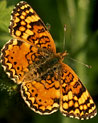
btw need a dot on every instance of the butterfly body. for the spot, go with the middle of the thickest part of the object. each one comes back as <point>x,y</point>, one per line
<point>30,59</point>
<point>48,63</point>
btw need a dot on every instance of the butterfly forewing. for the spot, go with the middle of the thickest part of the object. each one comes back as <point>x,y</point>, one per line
<point>26,25</point>
<point>75,101</point>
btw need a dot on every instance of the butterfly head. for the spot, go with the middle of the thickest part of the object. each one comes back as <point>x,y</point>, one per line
<point>62,55</point>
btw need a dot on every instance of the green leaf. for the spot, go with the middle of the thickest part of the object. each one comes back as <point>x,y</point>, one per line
<point>4,15</point>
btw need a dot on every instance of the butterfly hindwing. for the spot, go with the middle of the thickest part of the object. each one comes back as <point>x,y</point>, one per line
<point>43,94</point>
<point>17,56</point>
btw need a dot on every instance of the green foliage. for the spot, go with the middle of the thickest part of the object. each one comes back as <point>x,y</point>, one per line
<point>5,12</point>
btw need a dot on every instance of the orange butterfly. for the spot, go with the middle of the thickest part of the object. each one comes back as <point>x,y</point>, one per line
<point>30,59</point>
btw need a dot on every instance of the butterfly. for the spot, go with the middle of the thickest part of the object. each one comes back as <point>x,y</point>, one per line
<point>30,59</point>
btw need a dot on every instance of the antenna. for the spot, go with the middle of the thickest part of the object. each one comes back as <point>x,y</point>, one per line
<point>64,41</point>
<point>86,65</point>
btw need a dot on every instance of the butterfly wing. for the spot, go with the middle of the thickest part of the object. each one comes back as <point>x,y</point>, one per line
<point>17,56</point>
<point>75,101</point>
<point>26,25</point>
<point>43,94</point>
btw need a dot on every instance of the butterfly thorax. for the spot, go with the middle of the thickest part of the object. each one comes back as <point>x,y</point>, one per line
<point>52,63</point>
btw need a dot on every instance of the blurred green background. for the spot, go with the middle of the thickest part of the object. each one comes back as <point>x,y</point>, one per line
<point>81,19</point>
